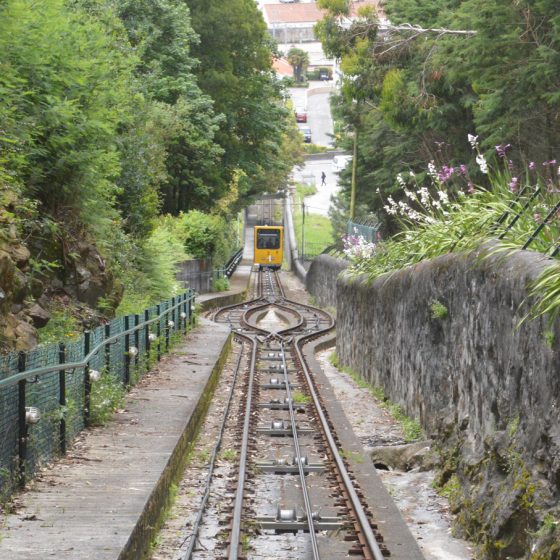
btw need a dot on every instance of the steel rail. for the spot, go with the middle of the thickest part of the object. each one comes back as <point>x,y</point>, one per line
<point>367,532</point>
<point>239,494</point>
<point>304,489</point>
<point>279,284</point>
<point>37,372</point>
<point>196,527</point>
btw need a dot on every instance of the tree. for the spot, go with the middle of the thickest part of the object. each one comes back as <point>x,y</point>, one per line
<point>299,59</point>
<point>161,32</point>
<point>235,70</point>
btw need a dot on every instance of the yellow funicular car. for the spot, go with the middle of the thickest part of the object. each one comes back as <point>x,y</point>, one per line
<point>269,246</point>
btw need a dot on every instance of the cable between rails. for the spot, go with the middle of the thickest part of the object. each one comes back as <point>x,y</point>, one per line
<point>304,489</point>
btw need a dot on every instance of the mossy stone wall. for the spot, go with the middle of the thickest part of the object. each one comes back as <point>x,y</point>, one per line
<point>487,389</point>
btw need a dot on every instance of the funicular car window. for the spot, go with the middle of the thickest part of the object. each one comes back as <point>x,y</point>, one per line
<point>268,239</point>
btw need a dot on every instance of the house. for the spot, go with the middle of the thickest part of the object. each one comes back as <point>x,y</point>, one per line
<point>293,23</point>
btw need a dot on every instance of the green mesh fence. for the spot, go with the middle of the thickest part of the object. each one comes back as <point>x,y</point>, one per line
<point>59,380</point>
<point>368,229</point>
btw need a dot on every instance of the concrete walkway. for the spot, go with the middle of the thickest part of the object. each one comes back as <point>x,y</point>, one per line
<point>102,500</point>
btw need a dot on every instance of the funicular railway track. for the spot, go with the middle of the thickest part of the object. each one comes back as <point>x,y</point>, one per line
<point>292,495</point>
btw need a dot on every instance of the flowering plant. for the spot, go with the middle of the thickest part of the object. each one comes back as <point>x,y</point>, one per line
<point>357,248</point>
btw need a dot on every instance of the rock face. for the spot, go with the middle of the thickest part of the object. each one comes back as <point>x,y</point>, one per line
<point>16,326</point>
<point>443,340</point>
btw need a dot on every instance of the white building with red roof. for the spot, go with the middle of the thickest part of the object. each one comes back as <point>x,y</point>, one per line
<point>293,23</point>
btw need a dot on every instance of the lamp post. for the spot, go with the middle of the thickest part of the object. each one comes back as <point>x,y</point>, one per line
<point>354,166</point>
<point>302,230</point>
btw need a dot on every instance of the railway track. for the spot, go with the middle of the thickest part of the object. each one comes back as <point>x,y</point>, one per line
<point>290,493</point>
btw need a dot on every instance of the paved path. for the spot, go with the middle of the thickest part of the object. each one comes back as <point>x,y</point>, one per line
<point>100,501</point>
<point>320,202</point>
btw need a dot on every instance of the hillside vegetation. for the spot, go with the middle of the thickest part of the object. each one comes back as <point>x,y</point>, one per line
<point>113,112</point>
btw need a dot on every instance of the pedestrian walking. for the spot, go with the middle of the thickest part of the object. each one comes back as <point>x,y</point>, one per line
<point>323,177</point>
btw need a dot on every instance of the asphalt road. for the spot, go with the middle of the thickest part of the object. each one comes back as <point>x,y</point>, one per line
<point>320,121</point>
<point>311,174</point>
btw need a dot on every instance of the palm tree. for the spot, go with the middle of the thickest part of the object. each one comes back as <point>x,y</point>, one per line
<point>299,60</point>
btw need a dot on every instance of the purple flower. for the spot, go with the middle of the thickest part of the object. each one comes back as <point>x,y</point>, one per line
<point>470,188</point>
<point>445,173</point>
<point>513,186</point>
<point>463,169</point>
<point>502,150</point>
<point>537,217</point>
<point>532,165</point>
<point>510,165</point>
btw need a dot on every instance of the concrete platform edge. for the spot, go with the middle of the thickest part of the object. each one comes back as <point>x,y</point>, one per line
<point>398,538</point>
<point>223,300</point>
<point>152,517</point>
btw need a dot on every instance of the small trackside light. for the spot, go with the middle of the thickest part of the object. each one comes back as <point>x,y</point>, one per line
<point>152,337</point>
<point>32,415</point>
<point>171,324</point>
<point>94,375</point>
<point>133,351</point>
<point>183,315</point>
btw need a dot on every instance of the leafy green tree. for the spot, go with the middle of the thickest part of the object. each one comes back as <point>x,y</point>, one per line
<point>72,93</point>
<point>161,32</point>
<point>235,70</point>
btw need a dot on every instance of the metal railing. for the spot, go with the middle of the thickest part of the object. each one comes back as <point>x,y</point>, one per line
<point>203,281</point>
<point>231,265</point>
<point>368,228</point>
<point>47,394</point>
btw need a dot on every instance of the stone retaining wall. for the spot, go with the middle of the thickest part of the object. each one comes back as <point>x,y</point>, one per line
<point>486,390</point>
<point>321,279</point>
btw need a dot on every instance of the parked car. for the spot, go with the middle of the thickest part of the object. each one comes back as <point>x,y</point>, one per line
<point>324,74</point>
<point>306,133</point>
<point>301,114</point>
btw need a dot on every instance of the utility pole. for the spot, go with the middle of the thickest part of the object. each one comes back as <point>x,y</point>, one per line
<point>354,166</point>
<point>302,230</point>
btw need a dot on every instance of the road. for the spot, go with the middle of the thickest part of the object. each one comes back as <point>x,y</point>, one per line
<point>311,175</point>
<point>320,121</point>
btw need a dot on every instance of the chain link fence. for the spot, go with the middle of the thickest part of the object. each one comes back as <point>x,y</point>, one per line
<point>49,394</point>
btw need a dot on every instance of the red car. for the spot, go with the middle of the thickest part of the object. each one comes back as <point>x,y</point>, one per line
<point>301,114</point>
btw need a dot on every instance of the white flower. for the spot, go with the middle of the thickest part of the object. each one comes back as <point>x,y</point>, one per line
<point>424,195</point>
<point>482,163</point>
<point>401,181</point>
<point>473,140</point>
<point>412,174</point>
<point>432,171</point>
<point>443,197</point>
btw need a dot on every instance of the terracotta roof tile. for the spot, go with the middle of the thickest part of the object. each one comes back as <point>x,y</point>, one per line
<point>303,13</point>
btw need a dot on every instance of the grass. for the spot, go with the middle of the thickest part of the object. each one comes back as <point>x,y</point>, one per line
<point>318,231</point>
<point>228,455</point>
<point>107,395</point>
<point>412,431</point>
<point>314,149</point>
<point>299,398</point>
<point>352,456</point>
<point>303,191</point>
<point>438,310</point>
